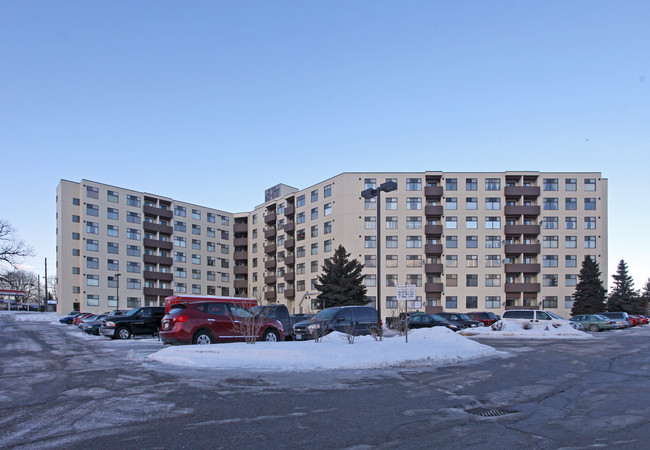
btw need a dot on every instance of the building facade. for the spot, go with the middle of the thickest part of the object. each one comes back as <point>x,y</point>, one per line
<point>466,241</point>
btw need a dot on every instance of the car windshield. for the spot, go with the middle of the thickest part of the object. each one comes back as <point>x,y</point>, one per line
<point>437,318</point>
<point>464,317</point>
<point>555,316</point>
<point>132,312</point>
<point>597,317</point>
<point>326,314</point>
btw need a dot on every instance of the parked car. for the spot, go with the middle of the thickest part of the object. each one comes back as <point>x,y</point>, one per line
<point>68,319</point>
<point>279,313</point>
<point>92,326</point>
<point>211,322</point>
<point>355,320</point>
<point>594,322</point>
<point>538,317</point>
<point>430,321</point>
<point>143,320</point>
<point>644,320</point>
<point>618,316</point>
<point>461,319</point>
<point>76,319</point>
<point>487,317</point>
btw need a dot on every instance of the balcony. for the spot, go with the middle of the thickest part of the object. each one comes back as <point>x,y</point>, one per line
<point>289,293</point>
<point>155,243</point>
<point>240,242</point>
<point>154,259</point>
<point>240,270</point>
<point>160,212</point>
<point>433,288</point>
<point>289,244</point>
<point>240,256</point>
<point>157,228</point>
<point>289,210</point>
<point>521,268</point>
<point>270,218</point>
<point>270,279</point>
<point>290,227</point>
<point>521,210</point>
<point>433,191</point>
<point>433,249</point>
<point>158,292</point>
<point>435,211</point>
<point>522,229</point>
<point>271,248</point>
<point>433,268</point>
<point>290,260</point>
<point>270,264</point>
<point>518,191</point>
<point>240,284</point>
<point>289,277</point>
<point>435,230</point>
<point>517,249</point>
<point>163,276</point>
<point>270,296</point>
<point>522,287</point>
<point>240,228</point>
<point>270,233</point>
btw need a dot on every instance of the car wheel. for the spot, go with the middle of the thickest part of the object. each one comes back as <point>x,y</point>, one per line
<point>123,333</point>
<point>271,335</point>
<point>202,338</point>
<point>593,327</point>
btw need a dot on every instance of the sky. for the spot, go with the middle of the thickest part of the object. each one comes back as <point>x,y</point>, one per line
<point>212,102</point>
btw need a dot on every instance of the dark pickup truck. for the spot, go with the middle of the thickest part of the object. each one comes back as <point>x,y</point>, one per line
<point>144,320</point>
<point>281,314</point>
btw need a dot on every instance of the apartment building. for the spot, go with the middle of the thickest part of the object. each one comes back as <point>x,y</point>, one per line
<point>466,241</point>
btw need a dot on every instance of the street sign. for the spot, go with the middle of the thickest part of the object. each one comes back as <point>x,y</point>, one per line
<point>405,292</point>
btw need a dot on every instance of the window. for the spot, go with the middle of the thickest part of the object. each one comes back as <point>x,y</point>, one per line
<point>493,301</point>
<point>414,184</point>
<point>568,301</point>
<point>225,234</point>
<point>314,231</point>
<point>590,184</point>
<point>196,244</point>
<point>550,242</point>
<point>132,217</point>
<point>211,246</point>
<point>549,301</point>
<point>414,279</point>
<point>391,242</point>
<point>133,267</point>
<point>590,204</point>
<point>391,261</point>
<point>471,184</point>
<point>112,247</point>
<point>76,201</point>
<point>550,223</point>
<point>391,222</point>
<point>92,210</point>
<point>113,265</point>
<point>180,226</point>
<point>570,203</point>
<point>413,260</point>
<point>571,261</point>
<point>550,260</point>
<point>132,250</point>
<point>92,262</point>
<point>493,223</point>
<point>549,280</point>
<point>327,245</point>
<point>492,241</point>
<point>471,222</point>
<point>196,229</point>
<point>327,191</point>
<point>570,184</point>
<point>471,241</point>
<point>225,221</point>
<point>471,261</point>
<point>492,260</point>
<point>92,300</point>
<point>451,222</point>
<point>571,223</point>
<point>370,280</point>
<point>492,280</point>
<point>180,257</point>
<point>314,248</point>
<point>370,242</point>
<point>471,203</point>
<point>391,203</point>
<point>391,280</point>
<point>590,223</point>
<point>180,211</point>
<point>451,184</point>
<point>451,302</point>
<point>112,213</point>
<point>314,213</point>
<point>196,259</point>
<point>590,241</point>
<point>451,261</point>
<point>451,203</point>
<point>370,183</point>
<point>76,219</point>
<point>92,192</point>
<point>471,280</point>
<point>180,241</point>
<point>327,209</point>
<point>300,252</point>
<point>112,230</point>
<point>196,214</point>
<point>92,227</point>
<point>492,184</point>
<point>550,184</point>
<point>570,280</point>
<point>370,223</point>
<point>210,217</point>
<point>451,280</point>
<point>570,242</point>
<point>492,203</point>
<point>413,241</point>
<point>370,203</point>
<point>180,272</point>
<point>300,201</point>
<point>132,200</point>
<point>550,203</point>
<point>300,217</point>
<point>452,241</point>
<point>413,223</point>
<point>413,203</point>
<point>370,261</point>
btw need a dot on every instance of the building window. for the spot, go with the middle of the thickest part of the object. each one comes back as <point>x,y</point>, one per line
<point>568,301</point>
<point>327,209</point>
<point>370,261</point>
<point>112,247</point>
<point>471,280</point>
<point>314,248</point>
<point>452,241</point>
<point>413,223</point>
<point>550,223</point>
<point>471,241</point>
<point>314,213</point>
<point>451,222</point>
<point>492,241</point>
<point>590,184</point>
<point>370,203</point>
<point>327,191</point>
<point>571,261</point>
<point>471,222</point>
<point>133,267</point>
<point>132,250</point>
<point>570,184</point>
<point>570,242</point>
<point>590,204</point>
<point>92,227</point>
<point>571,223</point>
<point>327,245</point>
<point>370,242</point>
<point>327,227</point>
<point>492,280</point>
<point>451,261</point>
<point>550,260</point>
<point>391,203</point>
<point>550,242</point>
<point>549,280</point>
<point>132,217</point>
<point>549,301</point>
<point>413,241</point>
<point>300,252</point>
<point>92,262</point>
<point>370,280</point>
<point>92,192</point>
<point>413,260</point>
<point>590,241</point>
<point>180,211</point>
<point>300,217</point>
<point>392,261</point>
<point>590,223</point>
<point>492,260</point>
<point>471,184</point>
<point>492,203</point>
<point>570,203</point>
<point>550,203</point>
<point>196,259</point>
<point>451,203</point>
<point>210,217</point>
<point>92,210</point>
<point>493,223</point>
<point>180,257</point>
<point>391,280</point>
<point>391,223</point>
<point>471,203</point>
<point>196,214</point>
<point>451,302</point>
<point>370,223</point>
<point>132,200</point>
<point>570,280</point>
<point>391,242</point>
<point>132,233</point>
<point>493,301</point>
<point>550,184</point>
<point>196,229</point>
<point>414,184</point>
<point>370,183</point>
<point>92,300</point>
<point>413,203</point>
<point>451,184</point>
<point>492,184</point>
<point>471,261</point>
<point>180,226</point>
<point>180,241</point>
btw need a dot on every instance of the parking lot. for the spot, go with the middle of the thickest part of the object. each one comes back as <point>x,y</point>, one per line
<point>61,388</point>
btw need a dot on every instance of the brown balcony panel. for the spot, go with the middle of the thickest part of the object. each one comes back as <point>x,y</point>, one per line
<point>240,228</point>
<point>289,277</point>
<point>158,292</point>
<point>157,228</point>
<point>433,249</point>
<point>269,295</point>
<point>289,243</point>
<point>240,284</point>
<point>270,233</point>
<point>517,249</point>
<point>240,270</point>
<point>240,242</point>
<point>270,279</point>
<point>433,268</point>
<point>240,256</point>
<point>522,287</point>
<point>160,212</point>
<point>270,248</point>
<point>290,260</point>
<point>270,218</point>
<point>521,268</point>
<point>289,293</point>
<point>433,230</point>
<point>290,227</point>
<point>155,243</point>
<point>289,210</point>
<point>433,287</point>
<point>155,259</point>
<point>518,191</point>
<point>522,229</point>
<point>270,264</point>
<point>433,211</point>
<point>521,210</point>
<point>433,191</point>
<point>163,276</point>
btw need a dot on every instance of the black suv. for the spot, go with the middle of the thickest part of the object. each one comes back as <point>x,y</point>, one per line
<point>355,320</point>
<point>144,320</point>
<point>460,319</point>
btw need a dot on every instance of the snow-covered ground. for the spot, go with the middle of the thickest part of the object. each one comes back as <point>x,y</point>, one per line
<point>425,347</point>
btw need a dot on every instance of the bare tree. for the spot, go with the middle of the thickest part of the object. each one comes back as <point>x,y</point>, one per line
<point>12,248</point>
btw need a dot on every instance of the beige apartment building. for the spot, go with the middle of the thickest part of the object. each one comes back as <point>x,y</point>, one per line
<point>466,241</point>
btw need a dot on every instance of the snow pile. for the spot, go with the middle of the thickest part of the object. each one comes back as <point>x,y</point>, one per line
<point>25,316</point>
<point>506,328</point>
<point>426,347</point>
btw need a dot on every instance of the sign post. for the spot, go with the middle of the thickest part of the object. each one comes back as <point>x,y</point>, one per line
<point>406,293</point>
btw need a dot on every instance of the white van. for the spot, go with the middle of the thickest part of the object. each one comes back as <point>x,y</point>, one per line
<point>538,317</point>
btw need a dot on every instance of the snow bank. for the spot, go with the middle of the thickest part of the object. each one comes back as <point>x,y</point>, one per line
<point>514,329</point>
<point>25,316</point>
<point>426,347</point>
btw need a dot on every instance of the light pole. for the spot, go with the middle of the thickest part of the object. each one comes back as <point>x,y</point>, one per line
<point>117,289</point>
<point>388,186</point>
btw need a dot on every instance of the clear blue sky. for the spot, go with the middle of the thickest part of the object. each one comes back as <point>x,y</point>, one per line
<point>255,93</point>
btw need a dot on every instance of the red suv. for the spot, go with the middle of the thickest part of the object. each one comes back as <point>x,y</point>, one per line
<point>210,322</point>
<point>488,318</point>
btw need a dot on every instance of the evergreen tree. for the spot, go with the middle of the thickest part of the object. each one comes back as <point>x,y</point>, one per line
<point>623,296</point>
<point>590,294</point>
<point>341,283</point>
<point>645,299</point>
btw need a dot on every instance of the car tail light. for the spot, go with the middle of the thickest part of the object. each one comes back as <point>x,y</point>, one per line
<point>181,318</point>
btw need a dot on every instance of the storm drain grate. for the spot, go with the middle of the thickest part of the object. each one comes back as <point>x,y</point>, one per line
<point>483,412</point>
